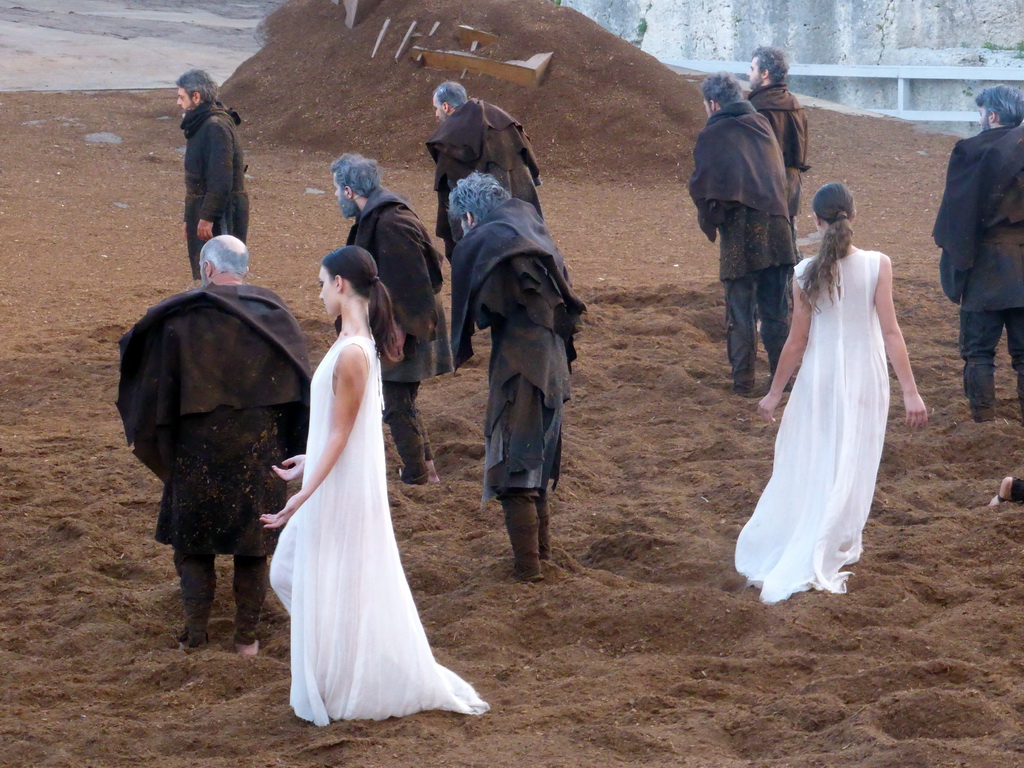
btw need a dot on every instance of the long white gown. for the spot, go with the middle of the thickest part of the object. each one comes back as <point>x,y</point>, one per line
<point>358,648</point>
<point>808,523</point>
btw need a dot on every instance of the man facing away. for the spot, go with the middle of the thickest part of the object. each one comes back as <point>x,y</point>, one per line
<point>770,96</point>
<point>476,136</point>
<point>215,199</point>
<point>739,187</point>
<point>508,276</point>
<point>214,390</point>
<point>410,268</point>
<point>980,229</point>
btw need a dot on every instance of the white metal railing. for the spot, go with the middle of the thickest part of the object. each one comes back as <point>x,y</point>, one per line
<point>899,72</point>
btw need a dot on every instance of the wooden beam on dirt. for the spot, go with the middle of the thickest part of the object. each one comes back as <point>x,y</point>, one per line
<point>357,10</point>
<point>468,36</point>
<point>433,29</point>
<point>405,40</point>
<point>380,36</point>
<point>530,72</point>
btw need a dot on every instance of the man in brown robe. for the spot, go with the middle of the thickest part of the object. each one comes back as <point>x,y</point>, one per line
<point>477,136</point>
<point>508,275</point>
<point>739,187</point>
<point>410,268</point>
<point>770,96</point>
<point>214,390</point>
<point>980,229</point>
<point>216,202</point>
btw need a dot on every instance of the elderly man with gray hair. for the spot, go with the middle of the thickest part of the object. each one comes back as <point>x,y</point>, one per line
<point>739,187</point>
<point>509,276</point>
<point>410,268</point>
<point>980,229</point>
<point>216,202</point>
<point>214,390</point>
<point>476,136</point>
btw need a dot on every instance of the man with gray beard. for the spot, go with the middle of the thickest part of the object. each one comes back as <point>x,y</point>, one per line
<point>410,268</point>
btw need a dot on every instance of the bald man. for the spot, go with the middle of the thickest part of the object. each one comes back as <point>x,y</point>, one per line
<point>214,391</point>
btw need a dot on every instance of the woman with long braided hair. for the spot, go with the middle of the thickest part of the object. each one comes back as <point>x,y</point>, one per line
<point>808,523</point>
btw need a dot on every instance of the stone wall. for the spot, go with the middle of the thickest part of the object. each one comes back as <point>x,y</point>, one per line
<point>928,32</point>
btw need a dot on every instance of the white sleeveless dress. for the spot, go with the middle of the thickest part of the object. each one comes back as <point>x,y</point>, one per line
<point>357,645</point>
<point>808,523</point>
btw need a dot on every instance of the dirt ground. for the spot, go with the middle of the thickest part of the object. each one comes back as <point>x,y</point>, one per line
<point>643,648</point>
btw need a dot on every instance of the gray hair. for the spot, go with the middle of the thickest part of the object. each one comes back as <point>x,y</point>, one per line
<point>360,174</point>
<point>451,93</point>
<point>774,60</point>
<point>227,254</point>
<point>198,81</point>
<point>1005,101</point>
<point>722,88</point>
<point>478,194</point>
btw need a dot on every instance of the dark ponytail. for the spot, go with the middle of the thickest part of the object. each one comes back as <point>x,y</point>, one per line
<point>833,204</point>
<point>357,266</point>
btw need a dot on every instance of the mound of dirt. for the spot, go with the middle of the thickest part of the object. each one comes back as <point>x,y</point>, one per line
<point>605,108</point>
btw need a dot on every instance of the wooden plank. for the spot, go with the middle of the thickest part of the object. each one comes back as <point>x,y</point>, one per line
<point>468,36</point>
<point>529,73</point>
<point>405,40</point>
<point>380,36</point>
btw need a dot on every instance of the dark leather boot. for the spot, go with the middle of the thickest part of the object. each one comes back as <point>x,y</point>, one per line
<point>543,534</point>
<point>521,522</point>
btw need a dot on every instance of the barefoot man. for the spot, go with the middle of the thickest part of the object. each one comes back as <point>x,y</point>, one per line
<point>214,390</point>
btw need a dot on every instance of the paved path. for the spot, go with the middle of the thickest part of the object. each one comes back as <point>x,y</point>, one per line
<point>57,45</point>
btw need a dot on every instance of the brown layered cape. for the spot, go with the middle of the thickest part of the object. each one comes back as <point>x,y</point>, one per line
<point>980,170</point>
<point>234,346</point>
<point>481,137</point>
<point>410,267</point>
<point>508,275</point>
<point>737,159</point>
<point>789,122</point>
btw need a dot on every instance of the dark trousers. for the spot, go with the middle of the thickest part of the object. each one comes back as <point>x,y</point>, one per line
<point>762,294</point>
<point>198,584</point>
<point>979,335</point>
<point>407,430</point>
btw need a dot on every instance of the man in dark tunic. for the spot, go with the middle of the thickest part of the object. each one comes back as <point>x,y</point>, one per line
<point>215,199</point>
<point>508,275</point>
<point>214,391</point>
<point>739,188</point>
<point>477,136</point>
<point>980,229</point>
<point>770,96</point>
<point>410,268</point>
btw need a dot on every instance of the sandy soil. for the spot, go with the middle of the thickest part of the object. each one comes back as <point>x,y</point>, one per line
<point>643,647</point>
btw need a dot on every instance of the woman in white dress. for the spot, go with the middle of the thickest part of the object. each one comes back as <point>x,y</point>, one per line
<point>808,523</point>
<point>357,645</point>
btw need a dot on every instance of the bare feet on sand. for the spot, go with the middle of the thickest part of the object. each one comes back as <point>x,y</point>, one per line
<point>1005,488</point>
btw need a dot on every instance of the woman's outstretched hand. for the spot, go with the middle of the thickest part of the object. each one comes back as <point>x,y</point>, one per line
<point>291,469</point>
<point>917,413</point>
<point>278,519</point>
<point>766,408</point>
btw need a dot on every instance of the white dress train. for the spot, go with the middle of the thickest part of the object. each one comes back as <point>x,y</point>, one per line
<point>808,523</point>
<point>358,649</point>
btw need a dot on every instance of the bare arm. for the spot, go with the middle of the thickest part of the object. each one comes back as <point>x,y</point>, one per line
<point>350,375</point>
<point>792,353</point>
<point>896,347</point>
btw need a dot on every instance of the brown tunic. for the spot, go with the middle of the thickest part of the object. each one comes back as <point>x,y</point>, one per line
<point>481,137</point>
<point>214,390</point>
<point>410,268</point>
<point>739,187</point>
<point>508,276</point>
<point>789,122</point>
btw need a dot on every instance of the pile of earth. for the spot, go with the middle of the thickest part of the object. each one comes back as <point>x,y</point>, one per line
<point>605,108</point>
